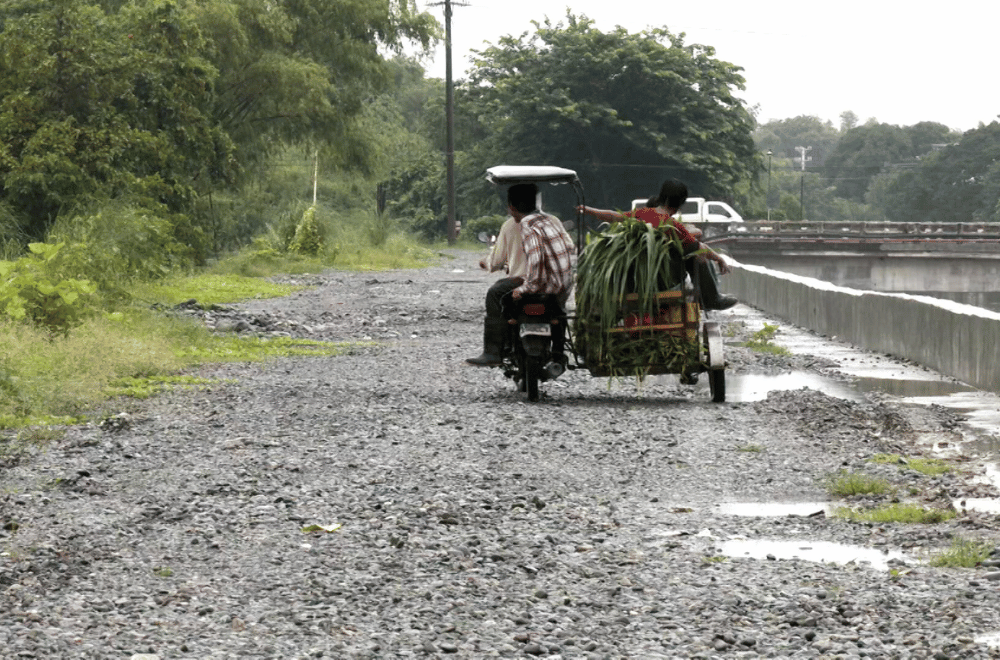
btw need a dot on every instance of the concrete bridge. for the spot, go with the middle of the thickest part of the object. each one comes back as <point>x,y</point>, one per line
<point>824,277</point>
<point>955,261</point>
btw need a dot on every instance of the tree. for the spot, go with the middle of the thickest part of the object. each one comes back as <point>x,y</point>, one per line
<point>166,100</point>
<point>958,183</point>
<point>94,106</point>
<point>861,153</point>
<point>301,71</point>
<point>625,110</point>
<point>848,120</point>
<point>783,135</point>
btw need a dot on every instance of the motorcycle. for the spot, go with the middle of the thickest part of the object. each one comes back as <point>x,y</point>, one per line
<point>533,350</point>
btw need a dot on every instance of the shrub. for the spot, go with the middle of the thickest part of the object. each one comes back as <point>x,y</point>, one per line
<point>118,244</point>
<point>31,289</point>
<point>308,239</point>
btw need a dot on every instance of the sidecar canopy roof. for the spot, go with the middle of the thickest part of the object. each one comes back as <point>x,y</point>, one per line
<point>511,174</point>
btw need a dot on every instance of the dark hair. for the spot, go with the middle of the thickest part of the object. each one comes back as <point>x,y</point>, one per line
<point>672,195</point>
<point>522,196</point>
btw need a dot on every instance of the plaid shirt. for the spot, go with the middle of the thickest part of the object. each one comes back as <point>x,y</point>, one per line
<point>549,249</point>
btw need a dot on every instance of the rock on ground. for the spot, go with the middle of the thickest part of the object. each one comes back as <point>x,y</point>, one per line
<point>451,518</point>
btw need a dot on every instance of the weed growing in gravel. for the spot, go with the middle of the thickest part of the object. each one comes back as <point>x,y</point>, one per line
<point>15,447</point>
<point>751,448</point>
<point>963,553</point>
<point>232,348</point>
<point>896,513</point>
<point>847,484</point>
<point>762,341</point>
<point>147,386</point>
<point>930,466</point>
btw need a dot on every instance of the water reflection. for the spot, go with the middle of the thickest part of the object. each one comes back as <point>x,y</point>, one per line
<point>817,551</point>
<point>744,388</point>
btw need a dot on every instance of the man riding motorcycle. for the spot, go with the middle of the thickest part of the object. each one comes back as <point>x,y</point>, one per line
<point>547,250</point>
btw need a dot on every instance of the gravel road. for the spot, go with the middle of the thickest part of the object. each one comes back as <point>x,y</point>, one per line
<point>457,520</point>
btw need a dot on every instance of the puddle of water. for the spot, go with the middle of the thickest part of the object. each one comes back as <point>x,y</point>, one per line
<point>744,388</point>
<point>774,509</point>
<point>990,639</point>
<point>911,388</point>
<point>981,504</point>
<point>818,551</point>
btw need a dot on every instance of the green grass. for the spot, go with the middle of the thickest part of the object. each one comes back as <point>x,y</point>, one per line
<point>896,513</point>
<point>56,380</point>
<point>929,466</point>
<point>751,448</point>
<point>847,484</point>
<point>963,553</point>
<point>210,289</point>
<point>398,251</point>
<point>134,351</point>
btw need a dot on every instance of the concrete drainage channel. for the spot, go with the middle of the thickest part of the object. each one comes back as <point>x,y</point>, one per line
<point>867,372</point>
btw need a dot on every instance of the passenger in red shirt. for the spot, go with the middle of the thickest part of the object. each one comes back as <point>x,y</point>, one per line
<point>660,210</point>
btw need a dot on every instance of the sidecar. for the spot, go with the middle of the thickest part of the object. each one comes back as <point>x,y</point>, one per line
<point>669,335</point>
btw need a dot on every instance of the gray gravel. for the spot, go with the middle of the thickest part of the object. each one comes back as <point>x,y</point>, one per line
<point>472,524</point>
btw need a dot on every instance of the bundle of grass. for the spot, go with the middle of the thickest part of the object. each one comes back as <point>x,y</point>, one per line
<point>631,317</point>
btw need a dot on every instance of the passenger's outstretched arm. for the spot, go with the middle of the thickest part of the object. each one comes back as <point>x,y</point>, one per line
<point>601,214</point>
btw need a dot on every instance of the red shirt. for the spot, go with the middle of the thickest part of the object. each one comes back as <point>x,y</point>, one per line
<point>652,216</point>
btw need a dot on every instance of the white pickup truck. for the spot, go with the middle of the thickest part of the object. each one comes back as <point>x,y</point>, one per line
<point>697,209</point>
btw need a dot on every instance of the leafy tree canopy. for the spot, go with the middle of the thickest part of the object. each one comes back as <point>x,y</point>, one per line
<point>162,100</point>
<point>625,110</point>
<point>959,183</point>
<point>865,151</point>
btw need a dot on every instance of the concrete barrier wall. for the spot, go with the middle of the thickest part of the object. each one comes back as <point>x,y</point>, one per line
<point>951,338</point>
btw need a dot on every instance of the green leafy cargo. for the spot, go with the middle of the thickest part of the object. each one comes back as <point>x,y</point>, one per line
<point>632,318</point>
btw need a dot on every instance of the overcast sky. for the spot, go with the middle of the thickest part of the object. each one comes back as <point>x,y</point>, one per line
<point>901,63</point>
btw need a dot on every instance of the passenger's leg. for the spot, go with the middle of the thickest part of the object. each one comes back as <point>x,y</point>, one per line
<point>708,283</point>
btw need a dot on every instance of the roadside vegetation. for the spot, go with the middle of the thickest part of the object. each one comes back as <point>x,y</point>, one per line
<point>762,341</point>
<point>896,513</point>
<point>849,484</point>
<point>69,343</point>
<point>927,466</point>
<point>964,553</point>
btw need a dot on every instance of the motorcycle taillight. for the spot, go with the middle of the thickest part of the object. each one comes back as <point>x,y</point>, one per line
<point>534,309</point>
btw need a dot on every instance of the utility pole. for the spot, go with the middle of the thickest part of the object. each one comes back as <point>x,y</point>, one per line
<point>767,197</point>
<point>449,102</point>
<point>449,111</point>
<point>803,159</point>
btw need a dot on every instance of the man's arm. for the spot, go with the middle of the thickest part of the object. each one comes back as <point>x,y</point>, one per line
<point>500,254</point>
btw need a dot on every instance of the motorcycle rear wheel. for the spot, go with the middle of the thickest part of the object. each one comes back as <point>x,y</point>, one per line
<point>532,370</point>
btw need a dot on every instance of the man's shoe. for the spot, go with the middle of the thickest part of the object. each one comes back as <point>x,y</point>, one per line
<point>724,301</point>
<point>485,360</point>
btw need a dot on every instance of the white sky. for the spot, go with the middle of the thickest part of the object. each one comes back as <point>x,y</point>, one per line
<point>901,63</point>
